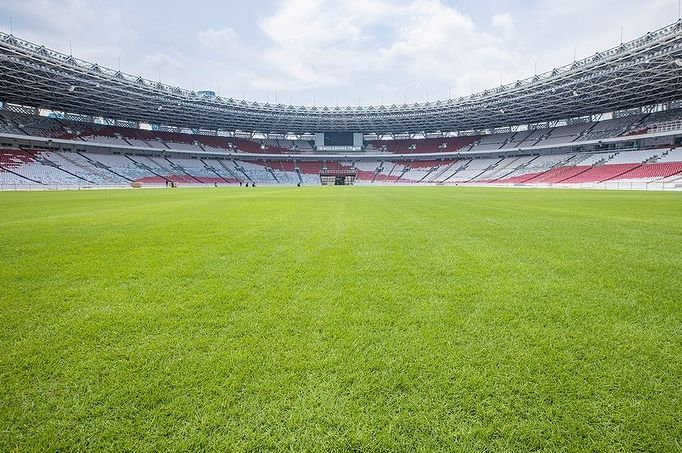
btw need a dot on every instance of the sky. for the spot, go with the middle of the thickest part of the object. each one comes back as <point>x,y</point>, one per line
<point>343,52</point>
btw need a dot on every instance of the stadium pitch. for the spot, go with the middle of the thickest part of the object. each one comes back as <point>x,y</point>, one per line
<point>350,318</point>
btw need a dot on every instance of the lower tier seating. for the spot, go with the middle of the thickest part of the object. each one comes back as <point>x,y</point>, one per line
<point>21,168</point>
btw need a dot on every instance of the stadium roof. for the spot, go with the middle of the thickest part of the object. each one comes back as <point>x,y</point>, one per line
<point>645,71</point>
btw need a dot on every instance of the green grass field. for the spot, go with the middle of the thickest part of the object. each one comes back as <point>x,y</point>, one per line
<point>338,319</point>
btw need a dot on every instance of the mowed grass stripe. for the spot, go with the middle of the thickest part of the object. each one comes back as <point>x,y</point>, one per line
<point>350,318</point>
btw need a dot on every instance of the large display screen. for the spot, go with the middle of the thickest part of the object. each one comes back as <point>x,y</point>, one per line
<point>338,139</point>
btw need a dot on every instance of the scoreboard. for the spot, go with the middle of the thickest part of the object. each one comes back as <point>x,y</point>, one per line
<point>339,141</point>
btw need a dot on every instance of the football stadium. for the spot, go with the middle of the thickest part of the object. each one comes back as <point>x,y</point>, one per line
<point>492,270</point>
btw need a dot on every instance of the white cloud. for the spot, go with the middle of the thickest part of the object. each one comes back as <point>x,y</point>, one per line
<point>60,16</point>
<point>162,60</point>
<point>319,43</point>
<point>503,22</point>
<point>224,39</point>
<point>395,46</point>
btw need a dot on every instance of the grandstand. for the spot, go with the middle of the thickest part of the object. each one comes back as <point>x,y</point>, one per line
<point>68,154</point>
<point>610,135</point>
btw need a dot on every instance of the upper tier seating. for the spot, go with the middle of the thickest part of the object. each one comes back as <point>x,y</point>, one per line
<point>183,146</point>
<point>658,122</point>
<point>138,143</point>
<point>492,142</point>
<point>114,136</point>
<point>105,140</point>
<point>611,128</point>
<point>9,128</point>
<point>516,139</point>
<point>38,126</point>
<point>564,134</point>
<point>424,146</point>
<point>530,138</point>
